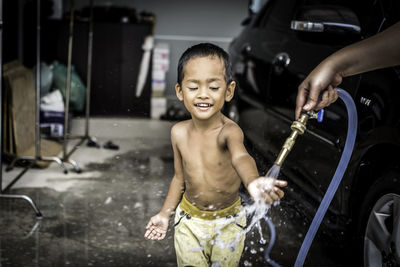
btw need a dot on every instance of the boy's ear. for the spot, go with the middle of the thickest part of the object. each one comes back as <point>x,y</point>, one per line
<point>230,91</point>
<point>178,91</point>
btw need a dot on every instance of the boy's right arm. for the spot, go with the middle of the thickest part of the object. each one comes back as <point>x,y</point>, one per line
<point>156,228</point>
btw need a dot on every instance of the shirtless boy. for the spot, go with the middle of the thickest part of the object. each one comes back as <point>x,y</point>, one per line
<point>210,162</point>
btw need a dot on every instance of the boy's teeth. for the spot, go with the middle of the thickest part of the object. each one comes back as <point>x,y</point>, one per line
<point>203,105</point>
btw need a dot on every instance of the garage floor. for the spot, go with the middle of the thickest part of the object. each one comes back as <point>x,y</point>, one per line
<point>98,217</point>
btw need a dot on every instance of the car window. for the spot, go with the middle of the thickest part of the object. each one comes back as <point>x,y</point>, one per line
<point>277,14</point>
<point>256,5</point>
<point>375,16</point>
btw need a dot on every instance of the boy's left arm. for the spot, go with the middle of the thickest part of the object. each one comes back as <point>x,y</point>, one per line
<point>260,188</point>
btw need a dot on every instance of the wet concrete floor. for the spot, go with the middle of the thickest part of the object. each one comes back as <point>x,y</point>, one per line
<point>100,220</point>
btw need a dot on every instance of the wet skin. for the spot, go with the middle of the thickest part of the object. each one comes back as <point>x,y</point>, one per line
<point>210,160</point>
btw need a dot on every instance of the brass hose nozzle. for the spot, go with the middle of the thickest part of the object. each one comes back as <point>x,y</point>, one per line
<point>298,128</point>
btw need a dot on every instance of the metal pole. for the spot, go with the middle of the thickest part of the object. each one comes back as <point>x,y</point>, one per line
<point>30,201</point>
<point>89,69</point>
<point>38,81</point>
<point>1,96</point>
<point>68,83</point>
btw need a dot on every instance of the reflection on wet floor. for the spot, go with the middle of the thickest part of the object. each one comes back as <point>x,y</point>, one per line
<point>100,221</point>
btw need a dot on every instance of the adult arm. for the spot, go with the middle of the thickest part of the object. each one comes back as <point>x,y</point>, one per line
<point>379,51</point>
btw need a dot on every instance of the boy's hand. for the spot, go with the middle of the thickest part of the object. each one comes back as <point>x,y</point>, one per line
<point>157,227</point>
<point>266,189</point>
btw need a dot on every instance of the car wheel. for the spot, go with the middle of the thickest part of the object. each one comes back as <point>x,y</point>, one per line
<point>380,223</point>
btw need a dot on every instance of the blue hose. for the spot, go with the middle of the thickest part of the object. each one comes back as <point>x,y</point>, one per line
<point>271,243</point>
<point>344,161</point>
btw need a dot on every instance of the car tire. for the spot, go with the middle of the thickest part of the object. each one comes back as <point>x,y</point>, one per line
<point>378,231</point>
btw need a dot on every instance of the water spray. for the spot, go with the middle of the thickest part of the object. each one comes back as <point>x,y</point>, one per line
<point>298,127</point>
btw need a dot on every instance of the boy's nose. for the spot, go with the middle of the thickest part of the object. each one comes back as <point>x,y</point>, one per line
<point>202,93</point>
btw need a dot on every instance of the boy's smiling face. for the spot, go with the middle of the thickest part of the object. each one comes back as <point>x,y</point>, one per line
<point>204,89</point>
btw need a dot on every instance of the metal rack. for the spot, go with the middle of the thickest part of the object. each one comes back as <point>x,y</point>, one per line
<point>37,113</point>
<point>66,155</point>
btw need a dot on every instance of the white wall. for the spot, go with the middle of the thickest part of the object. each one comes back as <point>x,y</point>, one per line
<point>183,23</point>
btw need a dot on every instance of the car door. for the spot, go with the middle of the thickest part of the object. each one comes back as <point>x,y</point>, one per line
<point>314,158</point>
<point>258,45</point>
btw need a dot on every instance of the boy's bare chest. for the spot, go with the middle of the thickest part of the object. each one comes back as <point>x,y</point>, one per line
<point>204,152</point>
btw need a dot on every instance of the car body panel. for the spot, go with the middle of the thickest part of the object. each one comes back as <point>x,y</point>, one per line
<point>269,62</point>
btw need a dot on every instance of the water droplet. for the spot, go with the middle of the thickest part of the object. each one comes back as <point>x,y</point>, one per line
<point>148,255</point>
<point>108,200</point>
<point>138,205</point>
<point>247,263</point>
<point>142,166</point>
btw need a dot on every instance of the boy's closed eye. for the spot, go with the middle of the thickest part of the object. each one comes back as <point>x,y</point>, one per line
<point>211,88</point>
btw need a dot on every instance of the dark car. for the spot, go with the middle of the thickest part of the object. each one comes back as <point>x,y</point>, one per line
<point>276,50</point>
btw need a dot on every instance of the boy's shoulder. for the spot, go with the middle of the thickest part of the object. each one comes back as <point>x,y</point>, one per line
<point>230,128</point>
<point>230,125</point>
<point>180,128</point>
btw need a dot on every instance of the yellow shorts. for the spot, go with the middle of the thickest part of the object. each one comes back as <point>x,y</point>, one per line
<point>209,238</point>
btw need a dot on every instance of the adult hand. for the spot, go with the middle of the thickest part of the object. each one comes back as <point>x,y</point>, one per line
<point>157,227</point>
<point>324,76</point>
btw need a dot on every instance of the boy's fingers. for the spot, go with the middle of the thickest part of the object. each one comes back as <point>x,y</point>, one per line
<point>152,235</point>
<point>147,234</point>
<point>279,192</point>
<point>155,234</point>
<point>160,236</point>
<point>268,199</point>
<point>280,183</point>
<point>149,224</point>
<point>274,196</point>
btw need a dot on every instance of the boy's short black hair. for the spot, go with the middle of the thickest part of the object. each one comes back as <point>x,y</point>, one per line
<point>205,50</point>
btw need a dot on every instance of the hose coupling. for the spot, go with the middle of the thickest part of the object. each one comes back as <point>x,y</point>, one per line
<point>298,127</point>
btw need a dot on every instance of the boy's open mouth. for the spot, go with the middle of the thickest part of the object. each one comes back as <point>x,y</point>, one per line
<point>203,106</point>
